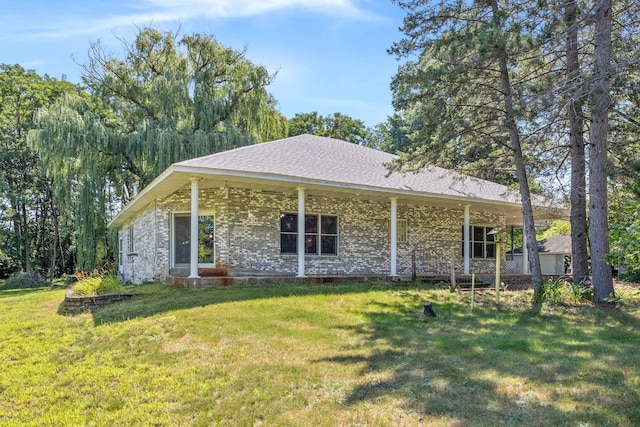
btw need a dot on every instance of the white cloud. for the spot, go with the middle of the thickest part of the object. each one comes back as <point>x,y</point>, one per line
<point>240,8</point>
<point>63,23</point>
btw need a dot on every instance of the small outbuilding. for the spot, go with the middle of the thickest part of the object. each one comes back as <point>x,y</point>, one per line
<point>554,252</point>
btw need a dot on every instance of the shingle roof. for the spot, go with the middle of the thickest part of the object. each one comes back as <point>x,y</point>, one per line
<point>335,161</point>
<point>559,244</point>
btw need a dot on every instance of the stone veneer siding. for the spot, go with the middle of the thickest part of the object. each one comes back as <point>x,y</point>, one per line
<point>247,234</point>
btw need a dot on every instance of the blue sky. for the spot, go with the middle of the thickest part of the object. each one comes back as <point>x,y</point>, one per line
<point>330,54</point>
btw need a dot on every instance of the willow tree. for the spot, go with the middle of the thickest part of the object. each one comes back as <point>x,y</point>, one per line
<point>168,99</point>
<point>466,92</point>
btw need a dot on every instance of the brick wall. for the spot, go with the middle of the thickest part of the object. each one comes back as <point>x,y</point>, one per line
<point>247,233</point>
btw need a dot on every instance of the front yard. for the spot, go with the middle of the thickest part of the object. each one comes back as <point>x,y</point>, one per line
<point>351,354</point>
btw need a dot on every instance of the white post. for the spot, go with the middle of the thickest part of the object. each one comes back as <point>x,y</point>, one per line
<point>301,230</point>
<point>193,263</point>
<point>394,235</point>
<point>465,240</point>
<point>525,254</point>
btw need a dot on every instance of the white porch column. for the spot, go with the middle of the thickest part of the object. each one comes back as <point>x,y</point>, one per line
<point>525,254</point>
<point>394,236</point>
<point>465,240</point>
<point>193,263</point>
<point>301,229</point>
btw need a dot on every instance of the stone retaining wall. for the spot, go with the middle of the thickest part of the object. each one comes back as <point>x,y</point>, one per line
<point>78,304</point>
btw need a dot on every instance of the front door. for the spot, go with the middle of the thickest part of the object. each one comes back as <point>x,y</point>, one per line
<point>181,246</point>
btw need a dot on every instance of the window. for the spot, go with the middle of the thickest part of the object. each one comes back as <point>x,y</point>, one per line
<point>481,244</point>
<point>182,239</point>
<point>320,234</point>
<point>401,230</point>
<point>130,239</point>
<point>120,251</point>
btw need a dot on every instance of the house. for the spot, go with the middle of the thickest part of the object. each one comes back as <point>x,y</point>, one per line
<point>310,206</point>
<point>554,253</point>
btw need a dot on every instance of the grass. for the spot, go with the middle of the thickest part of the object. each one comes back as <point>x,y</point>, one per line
<point>352,354</point>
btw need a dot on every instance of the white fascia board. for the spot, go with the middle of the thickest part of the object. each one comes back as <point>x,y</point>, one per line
<point>335,184</point>
<point>144,192</point>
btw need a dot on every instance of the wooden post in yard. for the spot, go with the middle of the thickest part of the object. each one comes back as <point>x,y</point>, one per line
<point>453,268</point>
<point>473,287</point>
<point>498,271</point>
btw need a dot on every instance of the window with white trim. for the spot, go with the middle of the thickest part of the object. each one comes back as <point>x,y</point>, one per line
<point>320,234</point>
<point>481,245</point>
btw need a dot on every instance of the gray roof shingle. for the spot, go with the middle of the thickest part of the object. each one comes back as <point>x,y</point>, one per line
<point>335,161</point>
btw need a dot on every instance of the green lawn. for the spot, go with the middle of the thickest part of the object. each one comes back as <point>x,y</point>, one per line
<point>353,354</point>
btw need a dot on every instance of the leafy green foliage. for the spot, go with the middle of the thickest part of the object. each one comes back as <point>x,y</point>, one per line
<point>561,291</point>
<point>338,125</point>
<point>625,237</point>
<point>167,100</point>
<point>31,225</point>
<point>97,286</point>
<point>555,228</point>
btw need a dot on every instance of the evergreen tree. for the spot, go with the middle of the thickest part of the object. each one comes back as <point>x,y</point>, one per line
<point>467,95</point>
<point>598,153</point>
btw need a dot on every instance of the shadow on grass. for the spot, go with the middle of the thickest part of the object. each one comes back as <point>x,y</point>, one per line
<point>500,367</point>
<point>160,298</point>
<point>14,292</point>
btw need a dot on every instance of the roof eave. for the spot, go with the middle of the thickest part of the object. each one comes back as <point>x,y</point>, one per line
<point>147,195</point>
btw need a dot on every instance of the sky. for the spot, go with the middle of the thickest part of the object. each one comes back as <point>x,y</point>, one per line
<point>330,55</point>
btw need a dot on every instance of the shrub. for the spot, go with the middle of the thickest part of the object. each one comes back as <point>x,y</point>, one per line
<point>97,286</point>
<point>561,291</point>
<point>31,279</point>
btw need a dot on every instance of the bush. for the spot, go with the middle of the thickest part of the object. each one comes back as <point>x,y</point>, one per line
<point>22,280</point>
<point>97,286</point>
<point>561,291</point>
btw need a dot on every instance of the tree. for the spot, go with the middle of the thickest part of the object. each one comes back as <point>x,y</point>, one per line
<point>625,234</point>
<point>338,125</point>
<point>170,98</point>
<point>461,97</point>
<point>26,209</point>
<point>576,123</point>
<point>389,136</point>
<point>598,149</point>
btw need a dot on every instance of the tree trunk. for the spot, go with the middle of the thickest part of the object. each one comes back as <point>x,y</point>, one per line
<point>521,172</point>
<point>575,116</point>
<point>56,236</point>
<point>598,145</point>
<point>25,238</point>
